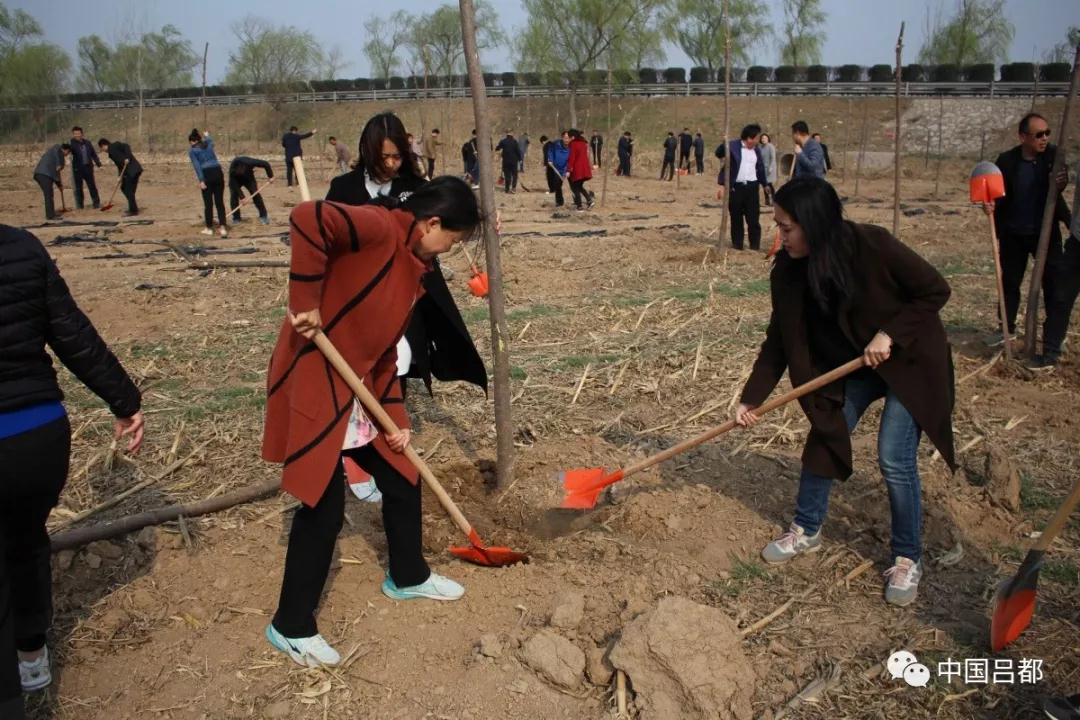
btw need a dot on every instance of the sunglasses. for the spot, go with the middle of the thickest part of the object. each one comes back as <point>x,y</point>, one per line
<point>1041,134</point>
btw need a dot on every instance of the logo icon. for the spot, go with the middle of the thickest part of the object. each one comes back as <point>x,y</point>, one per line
<point>898,661</point>
<point>917,675</point>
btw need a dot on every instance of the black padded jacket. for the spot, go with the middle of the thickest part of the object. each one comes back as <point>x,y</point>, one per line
<point>37,310</point>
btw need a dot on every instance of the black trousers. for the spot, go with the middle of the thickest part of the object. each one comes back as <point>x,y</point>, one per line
<point>85,175</point>
<point>745,204</point>
<point>213,196</point>
<point>667,172</point>
<point>700,161</point>
<point>128,185</point>
<point>46,184</point>
<point>33,470</point>
<point>555,185</point>
<point>624,165</point>
<point>684,159</point>
<point>1015,251</point>
<point>510,175</point>
<point>430,168</point>
<point>577,187</point>
<point>315,529</point>
<point>1067,287</point>
<point>289,174</point>
<point>236,187</point>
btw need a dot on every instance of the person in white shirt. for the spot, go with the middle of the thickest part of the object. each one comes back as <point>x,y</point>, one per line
<point>748,169</point>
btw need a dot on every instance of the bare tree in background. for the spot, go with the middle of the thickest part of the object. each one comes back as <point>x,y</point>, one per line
<point>804,33</point>
<point>697,27</point>
<point>386,38</point>
<point>978,32</point>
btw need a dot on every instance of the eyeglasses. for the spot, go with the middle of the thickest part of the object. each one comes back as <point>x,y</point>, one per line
<point>1041,134</point>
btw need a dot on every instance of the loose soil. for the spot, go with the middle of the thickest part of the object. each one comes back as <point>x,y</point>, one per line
<point>657,325</point>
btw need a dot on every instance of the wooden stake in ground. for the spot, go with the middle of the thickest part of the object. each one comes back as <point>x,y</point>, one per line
<point>940,139</point>
<point>1032,317</point>
<point>862,145</point>
<point>727,118</point>
<point>301,178</point>
<point>847,144</point>
<point>500,332</point>
<point>607,153</point>
<point>896,151</point>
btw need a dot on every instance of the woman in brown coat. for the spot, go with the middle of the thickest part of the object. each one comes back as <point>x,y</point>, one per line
<point>841,290</point>
<point>355,273</point>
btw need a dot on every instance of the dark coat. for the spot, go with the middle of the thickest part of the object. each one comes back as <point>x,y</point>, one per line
<point>118,153</point>
<point>37,310</point>
<point>626,146</point>
<point>77,148</point>
<point>825,153</point>
<point>686,141</point>
<point>440,342</point>
<point>1007,162</point>
<point>900,293</point>
<point>357,266</point>
<point>291,142</point>
<point>735,150</point>
<point>510,149</point>
<point>243,167</point>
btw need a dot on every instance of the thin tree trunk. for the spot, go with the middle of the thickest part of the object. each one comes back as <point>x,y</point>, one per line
<point>607,152</point>
<point>727,127</point>
<point>847,144</point>
<point>899,131</point>
<point>862,144</point>
<point>500,335</point>
<point>1035,88</point>
<point>940,141</point>
<point>1032,316</point>
<point>573,106</point>
<point>206,50</point>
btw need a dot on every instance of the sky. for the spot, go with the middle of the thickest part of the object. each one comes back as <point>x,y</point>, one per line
<point>861,32</point>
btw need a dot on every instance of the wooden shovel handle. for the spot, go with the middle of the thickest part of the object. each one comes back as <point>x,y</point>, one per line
<point>1000,289</point>
<point>793,394</point>
<point>1057,523</point>
<point>301,178</point>
<point>388,425</point>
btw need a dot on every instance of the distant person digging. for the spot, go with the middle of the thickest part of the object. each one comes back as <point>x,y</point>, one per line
<point>49,173</point>
<point>342,156</point>
<point>242,177</point>
<point>128,168</point>
<point>293,149</point>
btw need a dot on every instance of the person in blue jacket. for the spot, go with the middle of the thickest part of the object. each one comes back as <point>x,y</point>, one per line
<point>556,154</point>
<point>211,179</point>
<point>293,149</point>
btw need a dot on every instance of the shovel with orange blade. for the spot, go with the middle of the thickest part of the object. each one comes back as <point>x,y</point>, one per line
<point>583,485</point>
<point>986,185</point>
<point>478,285</point>
<point>1014,602</point>
<point>477,552</point>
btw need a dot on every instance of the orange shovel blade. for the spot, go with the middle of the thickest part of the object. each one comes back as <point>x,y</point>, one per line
<point>1014,603</point>
<point>479,554</point>
<point>478,285</point>
<point>584,485</point>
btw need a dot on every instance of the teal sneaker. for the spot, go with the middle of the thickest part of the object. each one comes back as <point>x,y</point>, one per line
<point>310,652</point>
<point>435,587</point>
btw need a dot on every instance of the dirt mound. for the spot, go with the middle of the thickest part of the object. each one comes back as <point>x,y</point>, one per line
<point>685,660</point>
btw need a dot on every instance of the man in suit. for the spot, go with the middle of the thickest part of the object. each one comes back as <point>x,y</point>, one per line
<point>626,151</point>
<point>824,152</point>
<point>747,178</point>
<point>809,157</point>
<point>1018,219</point>
<point>686,142</point>
<point>48,173</point>
<point>129,169</point>
<point>293,149</point>
<point>699,153</point>
<point>671,144</point>
<point>510,152</point>
<point>83,160</point>
<point>596,148</point>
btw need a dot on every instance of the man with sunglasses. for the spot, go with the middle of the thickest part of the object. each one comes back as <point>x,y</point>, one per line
<point>1018,219</point>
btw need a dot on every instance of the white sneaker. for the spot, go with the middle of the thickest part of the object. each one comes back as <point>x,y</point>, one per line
<point>310,652</point>
<point>36,674</point>
<point>206,231</point>
<point>366,491</point>
<point>436,587</point>
<point>903,585</point>
<point>223,232</point>
<point>794,542</point>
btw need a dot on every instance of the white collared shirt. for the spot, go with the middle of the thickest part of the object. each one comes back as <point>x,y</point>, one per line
<point>747,165</point>
<point>376,189</point>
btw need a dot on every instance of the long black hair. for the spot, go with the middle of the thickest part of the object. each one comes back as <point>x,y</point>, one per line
<point>814,205</point>
<point>446,197</point>
<point>385,126</point>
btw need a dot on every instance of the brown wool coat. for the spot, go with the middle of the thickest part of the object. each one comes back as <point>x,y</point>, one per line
<point>901,293</point>
<point>356,265</point>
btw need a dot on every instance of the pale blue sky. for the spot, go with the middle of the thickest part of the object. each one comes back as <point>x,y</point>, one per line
<point>859,31</point>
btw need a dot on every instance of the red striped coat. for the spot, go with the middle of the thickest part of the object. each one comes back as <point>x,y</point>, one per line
<point>357,266</point>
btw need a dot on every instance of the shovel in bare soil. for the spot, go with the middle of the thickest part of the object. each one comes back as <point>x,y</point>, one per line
<point>583,485</point>
<point>1014,603</point>
<point>477,552</point>
<point>109,205</point>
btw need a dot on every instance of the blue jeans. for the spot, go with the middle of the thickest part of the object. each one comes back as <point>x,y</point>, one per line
<point>898,442</point>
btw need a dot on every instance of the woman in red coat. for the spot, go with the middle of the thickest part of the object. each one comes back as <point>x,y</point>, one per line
<point>578,169</point>
<point>355,274</point>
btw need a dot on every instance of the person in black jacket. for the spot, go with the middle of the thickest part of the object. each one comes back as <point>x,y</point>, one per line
<point>242,177</point>
<point>824,151</point>
<point>670,147</point>
<point>127,167</point>
<point>626,152</point>
<point>596,148</point>
<point>686,143</point>
<point>510,151</point>
<point>38,312</point>
<point>293,149</point>
<point>49,172</point>
<point>83,160</point>
<point>436,342</point>
<point>747,177</point>
<point>699,153</point>
<point>1018,220</point>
